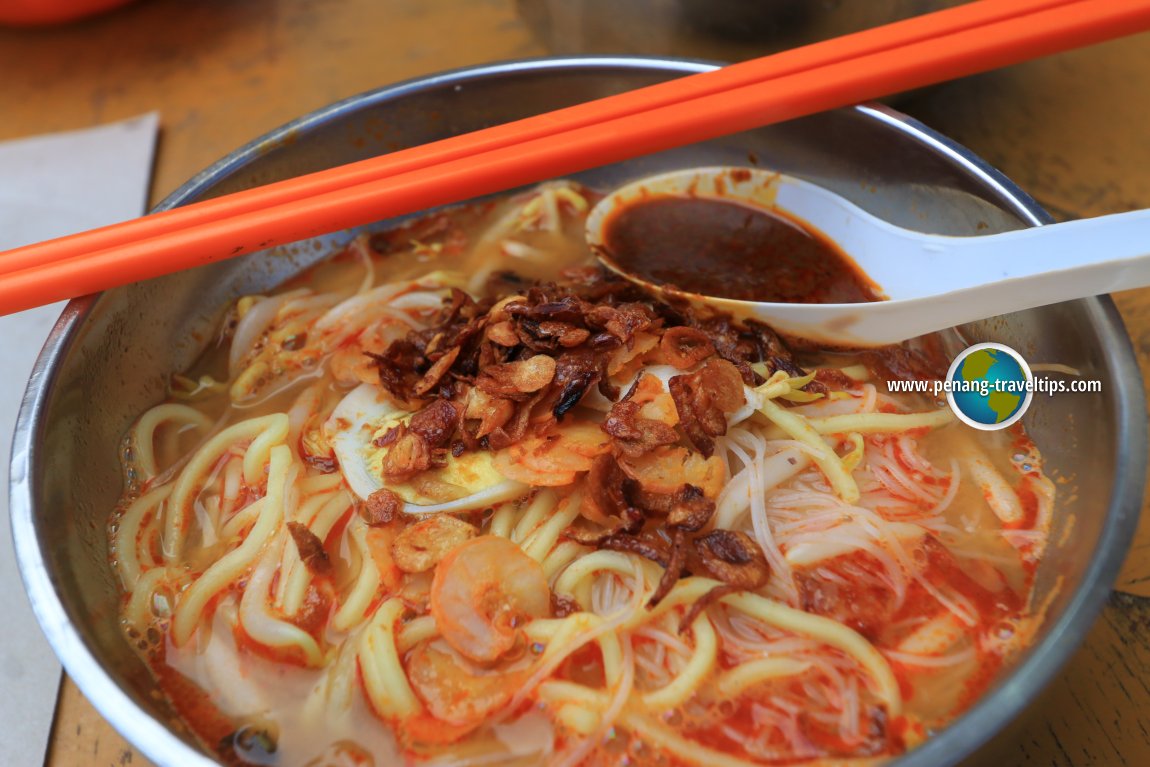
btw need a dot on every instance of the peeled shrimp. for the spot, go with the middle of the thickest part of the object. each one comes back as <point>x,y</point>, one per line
<point>456,691</point>
<point>483,592</point>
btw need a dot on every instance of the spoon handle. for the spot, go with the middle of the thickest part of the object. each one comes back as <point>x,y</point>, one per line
<point>940,281</point>
<point>1053,263</point>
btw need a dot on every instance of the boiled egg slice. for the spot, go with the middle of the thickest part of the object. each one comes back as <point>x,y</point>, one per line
<point>462,484</point>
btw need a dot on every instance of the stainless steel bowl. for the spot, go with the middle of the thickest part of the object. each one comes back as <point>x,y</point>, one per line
<point>108,358</point>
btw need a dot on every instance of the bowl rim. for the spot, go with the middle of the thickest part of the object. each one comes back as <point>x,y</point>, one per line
<point>958,740</point>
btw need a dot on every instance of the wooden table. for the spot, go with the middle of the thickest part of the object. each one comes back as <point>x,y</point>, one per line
<point>1072,130</point>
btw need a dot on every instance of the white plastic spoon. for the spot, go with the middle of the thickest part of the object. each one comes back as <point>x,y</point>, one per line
<point>932,281</point>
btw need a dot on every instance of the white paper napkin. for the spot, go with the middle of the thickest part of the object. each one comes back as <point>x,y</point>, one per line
<point>50,186</point>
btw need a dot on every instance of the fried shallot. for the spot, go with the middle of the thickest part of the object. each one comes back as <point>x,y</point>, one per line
<point>310,548</point>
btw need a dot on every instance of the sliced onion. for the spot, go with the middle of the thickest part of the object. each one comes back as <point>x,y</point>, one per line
<point>255,323</point>
<point>356,305</point>
<point>361,248</point>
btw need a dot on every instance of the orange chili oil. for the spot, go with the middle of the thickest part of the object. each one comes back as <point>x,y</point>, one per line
<point>725,249</point>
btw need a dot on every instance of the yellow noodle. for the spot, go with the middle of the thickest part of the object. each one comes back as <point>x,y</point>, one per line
<point>193,476</point>
<point>415,631</point>
<point>126,539</point>
<point>562,631</point>
<point>138,612</point>
<point>384,679</point>
<point>353,610</point>
<point>149,541</point>
<point>730,684</point>
<point>241,520</point>
<point>294,576</point>
<point>574,705</point>
<point>620,692</point>
<point>575,581</point>
<point>776,614</point>
<point>612,653</point>
<point>576,631</point>
<point>563,637</point>
<point>291,586</point>
<point>230,566</point>
<point>693,753</point>
<point>255,457</point>
<point>257,619</point>
<point>209,520</point>
<point>144,432</point>
<point>576,718</point>
<point>562,691</point>
<point>830,632</point>
<point>334,508</point>
<point>541,505</point>
<point>308,510</point>
<point>880,423</point>
<point>563,694</point>
<point>305,406</point>
<point>503,520</point>
<point>561,556</point>
<point>687,681</point>
<point>821,453</point>
<point>546,629</point>
<point>320,483</point>
<point>543,539</point>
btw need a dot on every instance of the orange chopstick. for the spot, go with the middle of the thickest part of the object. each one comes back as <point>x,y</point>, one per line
<point>960,18</point>
<point>1050,27</point>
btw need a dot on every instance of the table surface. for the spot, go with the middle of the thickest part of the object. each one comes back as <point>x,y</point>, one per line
<point>1070,129</point>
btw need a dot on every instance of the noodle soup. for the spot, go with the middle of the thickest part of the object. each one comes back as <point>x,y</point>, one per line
<point>456,496</point>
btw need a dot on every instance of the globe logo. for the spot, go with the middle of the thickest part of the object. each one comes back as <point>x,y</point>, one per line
<point>989,386</point>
